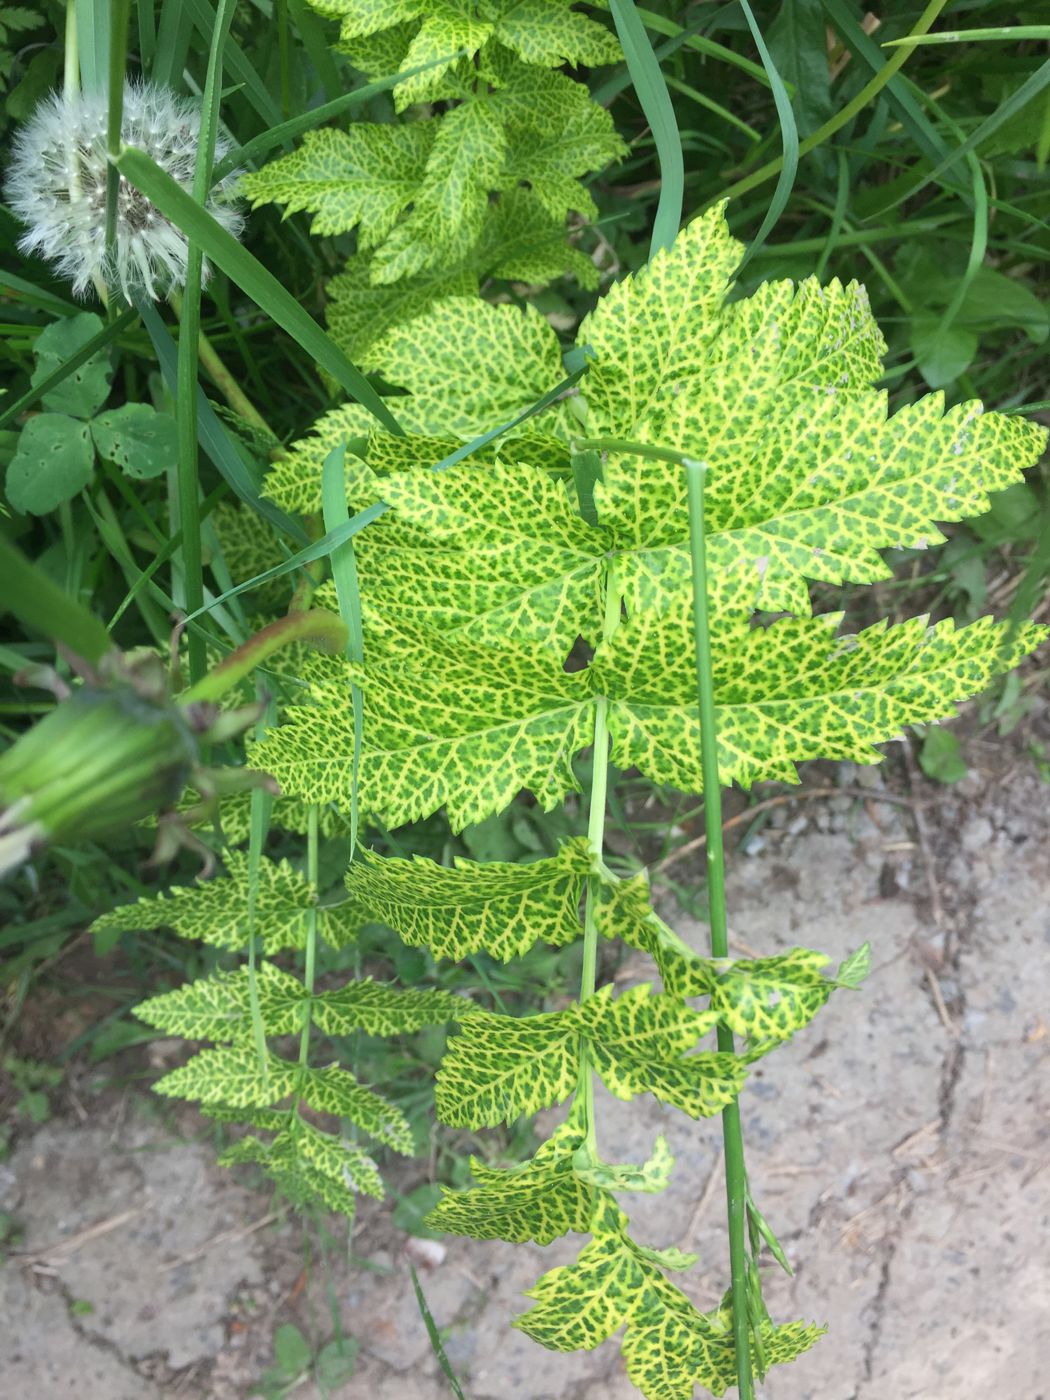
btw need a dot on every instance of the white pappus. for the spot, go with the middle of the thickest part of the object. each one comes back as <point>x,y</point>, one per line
<point>56,185</point>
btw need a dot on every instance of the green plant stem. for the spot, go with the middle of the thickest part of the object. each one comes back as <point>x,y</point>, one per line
<point>839,120</point>
<point>117,59</point>
<point>261,806</point>
<point>71,65</point>
<point>222,378</point>
<point>596,837</point>
<point>188,493</point>
<point>310,970</point>
<point>736,1176</point>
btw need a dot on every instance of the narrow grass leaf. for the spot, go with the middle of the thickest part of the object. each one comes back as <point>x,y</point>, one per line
<point>213,436</point>
<point>93,31</point>
<point>1029,89</point>
<point>655,100</point>
<point>788,136</point>
<point>435,1337</point>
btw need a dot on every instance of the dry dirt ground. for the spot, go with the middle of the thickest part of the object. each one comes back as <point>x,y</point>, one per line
<point>900,1147</point>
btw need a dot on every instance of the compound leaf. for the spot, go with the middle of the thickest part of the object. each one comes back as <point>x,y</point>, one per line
<point>216,911</point>
<point>669,1346</point>
<point>651,1177</point>
<point>360,312</point>
<point>548,32</point>
<point>219,1007</point>
<point>540,1200</point>
<point>233,1076</point>
<point>378,1009</point>
<point>336,1091</point>
<point>519,352</point>
<point>511,555</point>
<point>640,1043</point>
<point>499,1067</point>
<point>361,178</point>
<point>337,1158</point>
<point>501,907</point>
<point>446,723</point>
<point>789,691</point>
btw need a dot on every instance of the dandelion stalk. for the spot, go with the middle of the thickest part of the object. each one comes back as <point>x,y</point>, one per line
<point>188,495</point>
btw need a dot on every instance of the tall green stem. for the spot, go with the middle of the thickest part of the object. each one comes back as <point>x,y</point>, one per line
<point>736,1177</point>
<point>189,519</point>
<point>596,837</point>
<point>310,970</point>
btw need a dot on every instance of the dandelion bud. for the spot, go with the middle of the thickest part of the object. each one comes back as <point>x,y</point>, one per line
<point>99,762</point>
<point>56,185</point>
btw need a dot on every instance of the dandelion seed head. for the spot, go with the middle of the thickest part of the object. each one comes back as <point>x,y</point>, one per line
<point>56,185</point>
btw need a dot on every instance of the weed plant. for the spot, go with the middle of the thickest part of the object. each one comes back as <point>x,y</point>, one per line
<point>566,539</point>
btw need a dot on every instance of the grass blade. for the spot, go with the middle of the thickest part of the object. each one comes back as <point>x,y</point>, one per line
<point>788,133</point>
<point>841,118</point>
<point>187,519</point>
<point>93,39</point>
<point>648,80</point>
<point>1029,89</point>
<point>213,435</point>
<point>971,36</point>
<point>39,603</point>
<point>435,1337</point>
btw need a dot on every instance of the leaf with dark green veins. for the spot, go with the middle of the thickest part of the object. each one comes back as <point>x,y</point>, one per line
<point>504,908</point>
<point>216,911</point>
<point>539,1200</point>
<point>361,178</point>
<point>378,1009</point>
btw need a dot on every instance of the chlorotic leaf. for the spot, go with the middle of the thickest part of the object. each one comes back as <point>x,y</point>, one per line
<point>337,1092</point>
<point>640,1043</point>
<point>378,1009</point>
<point>361,178</point>
<point>479,725</point>
<point>500,1067</point>
<point>454,911</point>
<point>519,351</point>
<point>216,911</point>
<point>232,1075</point>
<point>669,1346</point>
<point>219,1007</point>
<point>540,1200</point>
<point>652,1177</point>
